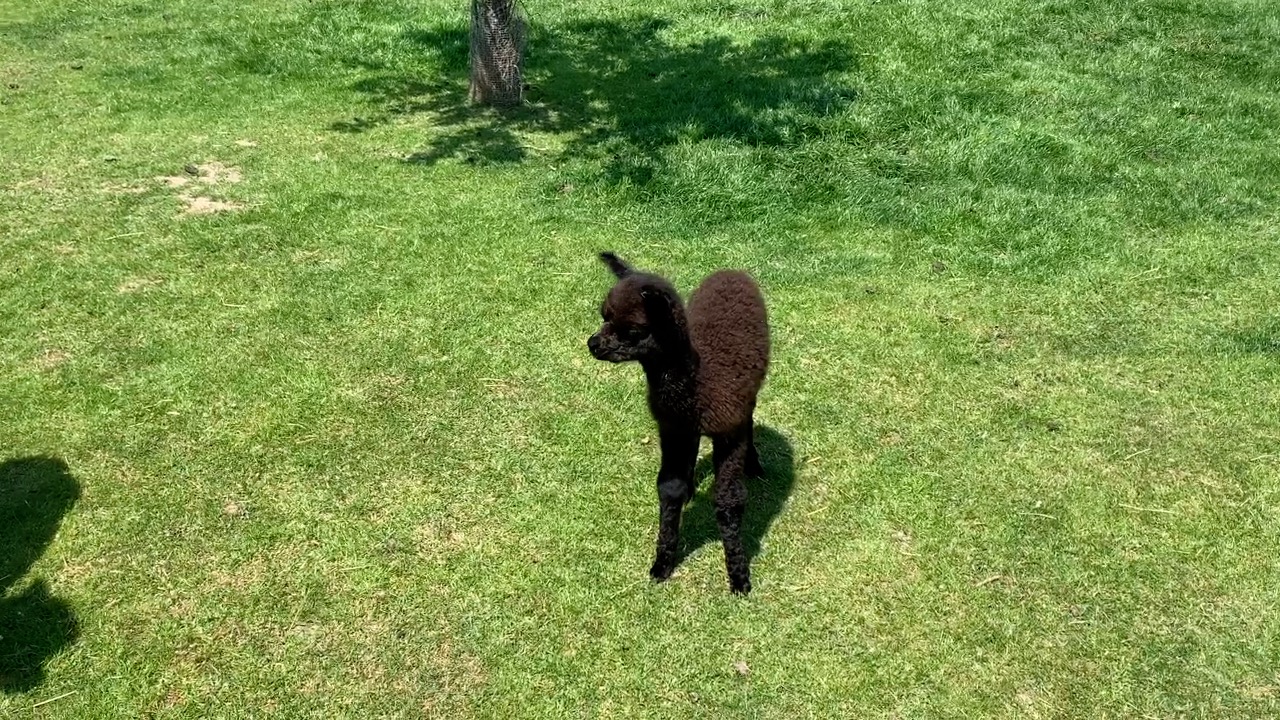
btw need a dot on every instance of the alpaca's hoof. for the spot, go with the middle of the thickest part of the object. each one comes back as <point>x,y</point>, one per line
<point>661,570</point>
<point>740,587</point>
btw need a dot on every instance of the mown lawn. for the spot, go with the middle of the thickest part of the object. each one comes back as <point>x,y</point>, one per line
<point>297,418</point>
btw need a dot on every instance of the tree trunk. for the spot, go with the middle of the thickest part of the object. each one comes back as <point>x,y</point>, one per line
<point>497,52</point>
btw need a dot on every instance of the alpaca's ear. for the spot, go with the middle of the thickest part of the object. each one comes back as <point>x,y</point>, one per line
<point>665,313</point>
<point>657,303</point>
<point>620,269</point>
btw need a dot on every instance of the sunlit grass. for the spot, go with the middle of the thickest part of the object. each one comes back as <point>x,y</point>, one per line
<point>338,448</point>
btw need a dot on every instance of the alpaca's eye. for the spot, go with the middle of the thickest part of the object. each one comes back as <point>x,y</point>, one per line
<point>635,332</point>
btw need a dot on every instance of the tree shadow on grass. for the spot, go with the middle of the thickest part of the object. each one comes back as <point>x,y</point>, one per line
<point>1263,339</point>
<point>35,492</point>
<point>766,496</point>
<point>621,91</point>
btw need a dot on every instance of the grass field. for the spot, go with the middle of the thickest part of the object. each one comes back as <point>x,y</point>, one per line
<point>297,417</point>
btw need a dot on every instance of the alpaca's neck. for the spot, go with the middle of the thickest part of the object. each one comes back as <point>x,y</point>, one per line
<point>672,371</point>
<point>673,382</point>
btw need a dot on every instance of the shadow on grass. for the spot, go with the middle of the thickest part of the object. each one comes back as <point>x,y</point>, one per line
<point>766,497</point>
<point>35,492</point>
<point>621,91</point>
<point>1260,340</point>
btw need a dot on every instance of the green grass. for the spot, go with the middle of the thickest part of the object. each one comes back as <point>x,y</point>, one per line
<point>341,452</point>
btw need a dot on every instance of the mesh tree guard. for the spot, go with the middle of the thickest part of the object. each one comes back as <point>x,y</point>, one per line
<point>497,52</point>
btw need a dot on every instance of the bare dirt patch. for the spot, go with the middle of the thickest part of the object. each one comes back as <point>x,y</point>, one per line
<point>40,184</point>
<point>201,205</point>
<point>1262,692</point>
<point>243,576</point>
<point>174,698</point>
<point>138,284</point>
<point>460,674</point>
<point>210,173</point>
<point>216,173</point>
<point>52,358</point>
<point>203,176</point>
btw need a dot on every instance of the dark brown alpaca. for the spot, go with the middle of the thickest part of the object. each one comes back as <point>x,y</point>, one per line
<point>705,368</point>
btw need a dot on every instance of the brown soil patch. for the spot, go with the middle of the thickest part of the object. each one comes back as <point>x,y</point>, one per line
<point>207,174</point>
<point>137,284</point>
<point>210,173</point>
<point>174,698</point>
<point>73,573</point>
<point>215,173</point>
<point>1262,692</point>
<point>52,358</point>
<point>460,674</point>
<point>246,575</point>
<point>200,205</point>
<point>42,183</point>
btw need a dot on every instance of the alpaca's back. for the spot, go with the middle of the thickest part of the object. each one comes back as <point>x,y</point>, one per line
<point>730,331</point>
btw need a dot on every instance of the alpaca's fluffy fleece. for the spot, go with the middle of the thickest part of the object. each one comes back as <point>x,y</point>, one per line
<point>705,368</point>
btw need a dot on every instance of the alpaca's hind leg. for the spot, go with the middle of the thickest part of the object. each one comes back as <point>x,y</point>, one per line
<point>730,454</point>
<point>754,468</point>
<point>675,483</point>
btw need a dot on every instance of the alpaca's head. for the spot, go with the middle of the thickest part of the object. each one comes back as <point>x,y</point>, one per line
<point>643,317</point>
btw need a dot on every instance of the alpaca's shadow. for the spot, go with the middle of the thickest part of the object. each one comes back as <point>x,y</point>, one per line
<point>35,492</point>
<point>766,496</point>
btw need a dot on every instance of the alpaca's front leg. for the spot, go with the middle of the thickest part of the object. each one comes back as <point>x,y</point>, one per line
<point>730,454</point>
<point>675,487</point>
